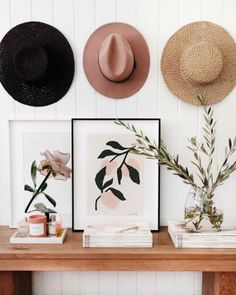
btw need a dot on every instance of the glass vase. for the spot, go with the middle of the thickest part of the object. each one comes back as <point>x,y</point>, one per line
<point>203,212</point>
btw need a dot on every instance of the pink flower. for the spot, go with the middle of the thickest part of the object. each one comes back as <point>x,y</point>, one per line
<point>57,162</point>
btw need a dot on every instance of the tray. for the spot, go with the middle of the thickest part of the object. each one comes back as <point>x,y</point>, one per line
<point>15,239</point>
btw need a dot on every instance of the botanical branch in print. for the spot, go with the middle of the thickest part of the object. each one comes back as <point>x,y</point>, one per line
<point>116,157</point>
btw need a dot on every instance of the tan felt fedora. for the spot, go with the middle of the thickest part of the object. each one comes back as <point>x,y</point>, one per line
<point>116,60</point>
<point>200,59</point>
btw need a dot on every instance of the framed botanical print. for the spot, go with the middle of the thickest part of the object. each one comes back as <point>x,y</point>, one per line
<point>28,138</point>
<point>111,183</point>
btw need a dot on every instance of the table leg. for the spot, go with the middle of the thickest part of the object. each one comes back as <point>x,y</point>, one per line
<point>219,283</point>
<point>15,283</point>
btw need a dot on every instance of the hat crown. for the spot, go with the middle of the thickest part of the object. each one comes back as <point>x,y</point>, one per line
<point>201,63</point>
<point>30,62</point>
<point>116,58</point>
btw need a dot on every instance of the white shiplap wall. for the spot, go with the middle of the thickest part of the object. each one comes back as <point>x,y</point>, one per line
<point>157,20</point>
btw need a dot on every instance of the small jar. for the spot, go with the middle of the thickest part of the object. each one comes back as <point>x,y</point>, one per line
<point>23,228</point>
<point>52,225</point>
<point>59,228</point>
<point>37,225</point>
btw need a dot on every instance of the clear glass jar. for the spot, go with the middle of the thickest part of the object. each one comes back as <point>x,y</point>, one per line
<point>202,212</point>
<point>52,225</point>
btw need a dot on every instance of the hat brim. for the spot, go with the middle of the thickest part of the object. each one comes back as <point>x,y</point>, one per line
<point>141,54</point>
<point>170,63</point>
<point>54,85</point>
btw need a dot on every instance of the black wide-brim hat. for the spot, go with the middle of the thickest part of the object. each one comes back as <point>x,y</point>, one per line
<point>36,64</point>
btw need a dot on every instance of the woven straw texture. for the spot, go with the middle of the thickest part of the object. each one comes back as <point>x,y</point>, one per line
<point>200,59</point>
<point>56,80</point>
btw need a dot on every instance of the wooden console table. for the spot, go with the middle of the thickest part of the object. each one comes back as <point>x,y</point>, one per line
<point>19,260</point>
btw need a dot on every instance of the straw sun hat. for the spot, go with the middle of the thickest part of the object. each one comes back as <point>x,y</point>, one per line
<point>36,64</point>
<point>116,60</point>
<point>200,59</point>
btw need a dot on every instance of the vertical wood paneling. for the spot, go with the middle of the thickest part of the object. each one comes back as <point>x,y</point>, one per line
<point>127,283</point>
<point>212,11</point>
<point>185,283</point>
<point>107,282</point>
<point>66,107</point>
<point>89,283</point>
<point>106,107</point>
<point>148,23</point>
<point>226,123</point>
<point>42,10</point>
<point>197,283</point>
<point>168,111</point>
<point>6,111</point>
<point>21,110</point>
<point>166,283</point>
<point>86,104</point>
<point>37,283</point>
<point>146,283</point>
<point>127,12</point>
<point>157,21</point>
<point>70,283</point>
<point>188,115</point>
<point>52,284</point>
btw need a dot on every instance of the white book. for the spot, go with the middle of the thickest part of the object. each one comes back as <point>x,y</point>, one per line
<point>117,235</point>
<point>182,238</point>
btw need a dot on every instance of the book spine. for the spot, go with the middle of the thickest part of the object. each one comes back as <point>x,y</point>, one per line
<point>181,240</point>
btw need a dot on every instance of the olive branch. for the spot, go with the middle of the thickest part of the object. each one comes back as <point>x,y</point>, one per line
<point>208,183</point>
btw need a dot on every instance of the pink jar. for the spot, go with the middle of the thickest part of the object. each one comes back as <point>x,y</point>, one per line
<point>37,225</point>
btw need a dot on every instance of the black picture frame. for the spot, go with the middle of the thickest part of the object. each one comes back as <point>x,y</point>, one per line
<point>79,161</point>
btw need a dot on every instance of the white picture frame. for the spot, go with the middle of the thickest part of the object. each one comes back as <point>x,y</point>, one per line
<point>130,195</point>
<point>27,139</point>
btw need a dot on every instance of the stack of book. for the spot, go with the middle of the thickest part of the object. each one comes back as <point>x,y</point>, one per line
<point>183,238</point>
<point>118,235</point>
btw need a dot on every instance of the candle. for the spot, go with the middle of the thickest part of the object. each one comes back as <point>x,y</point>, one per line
<point>37,225</point>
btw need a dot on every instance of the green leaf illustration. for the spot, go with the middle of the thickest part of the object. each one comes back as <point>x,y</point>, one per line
<point>117,193</point>
<point>34,172</point>
<point>44,186</point>
<point>50,199</point>
<point>28,188</point>
<point>108,183</point>
<point>49,210</point>
<point>41,207</point>
<point>119,175</point>
<point>100,177</point>
<point>133,173</point>
<point>106,153</point>
<point>116,145</point>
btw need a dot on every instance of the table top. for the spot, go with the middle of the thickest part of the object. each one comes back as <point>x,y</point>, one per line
<point>72,256</point>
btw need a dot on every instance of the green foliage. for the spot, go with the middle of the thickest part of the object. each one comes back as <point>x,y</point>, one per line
<point>208,183</point>
<point>117,193</point>
<point>122,153</point>
<point>28,188</point>
<point>133,173</point>
<point>108,183</point>
<point>106,153</point>
<point>100,177</point>
<point>39,191</point>
<point>50,199</point>
<point>43,209</point>
<point>116,145</point>
<point>34,173</point>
